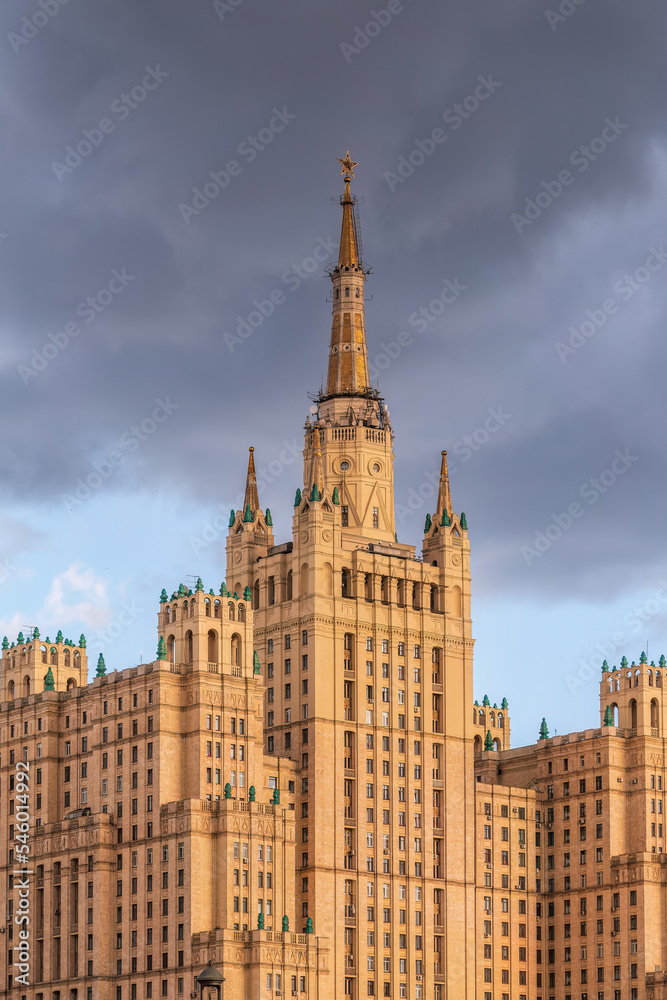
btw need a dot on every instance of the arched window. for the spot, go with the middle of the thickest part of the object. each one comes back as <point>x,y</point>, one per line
<point>629,677</point>
<point>474,716</point>
<point>434,598</point>
<point>54,656</point>
<point>77,658</point>
<point>633,713</point>
<point>457,602</point>
<point>230,608</point>
<point>356,294</point>
<point>207,607</point>
<point>345,583</point>
<point>271,591</point>
<point>368,587</point>
<point>241,614</point>
<point>26,686</point>
<point>212,646</point>
<point>216,609</point>
<point>655,714</point>
<point>637,672</point>
<point>658,679</point>
<point>649,674</point>
<point>167,614</point>
<point>327,579</point>
<point>10,691</point>
<point>192,607</point>
<point>478,744</point>
<point>255,595</point>
<point>384,590</point>
<point>174,612</point>
<point>614,713</point>
<point>67,658</point>
<point>347,293</point>
<point>305,580</point>
<point>501,720</point>
<point>415,595</point>
<point>496,744</point>
<point>492,717</point>
<point>43,649</point>
<point>482,718</point>
<point>189,650</point>
<point>71,684</point>
<point>236,650</point>
<point>400,593</point>
<point>171,649</point>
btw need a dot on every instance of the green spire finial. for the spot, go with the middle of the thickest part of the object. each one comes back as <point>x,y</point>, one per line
<point>544,730</point>
<point>49,682</point>
<point>642,658</point>
<point>464,523</point>
<point>485,700</point>
<point>297,498</point>
<point>161,649</point>
<point>309,925</point>
<point>260,921</point>
<point>199,587</point>
<point>232,518</point>
<point>20,640</point>
<point>255,662</point>
<point>228,791</point>
<point>164,596</point>
<point>247,517</point>
<point>59,637</point>
<point>276,797</point>
<point>247,594</point>
<point>35,634</point>
<point>5,643</point>
<point>504,704</point>
<point>285,923</point>
<point>662,661</point>
<point>336,497</point>
<point>624,661</point>
<point>315,493</point>
<point>605,666</point>
<point>427,523</point>
<point>608,717</point>
<point>268,518</point>
<point>82,641</point>
<point>488,741</point>
<point>223,590</point>
<point>101,667</point>
<point>446,521</point>
<point>251,793</point>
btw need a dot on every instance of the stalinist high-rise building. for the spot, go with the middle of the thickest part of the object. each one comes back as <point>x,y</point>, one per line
<point>302,789</point>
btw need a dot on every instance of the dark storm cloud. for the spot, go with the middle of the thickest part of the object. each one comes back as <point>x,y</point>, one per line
<point>225,76</point>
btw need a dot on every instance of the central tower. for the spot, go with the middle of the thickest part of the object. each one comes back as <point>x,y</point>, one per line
<point>366,652</point>
<point>354,446</point>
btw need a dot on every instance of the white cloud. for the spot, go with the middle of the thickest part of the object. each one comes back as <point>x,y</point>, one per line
<point>76,595</point>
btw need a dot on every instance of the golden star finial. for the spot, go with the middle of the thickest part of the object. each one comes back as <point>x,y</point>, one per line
<point>347,164</point>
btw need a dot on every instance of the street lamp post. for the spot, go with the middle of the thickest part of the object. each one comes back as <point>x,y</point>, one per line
<point>211,980</point>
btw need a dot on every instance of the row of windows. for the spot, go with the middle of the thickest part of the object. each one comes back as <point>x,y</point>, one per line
<point>582,787</point>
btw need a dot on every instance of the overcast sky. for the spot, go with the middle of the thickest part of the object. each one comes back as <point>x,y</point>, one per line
<point>516,151</point>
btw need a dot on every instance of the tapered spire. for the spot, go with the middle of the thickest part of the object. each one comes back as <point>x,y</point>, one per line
<point>348,355</point>
<point>444,495</point>
<point>251,498</point>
